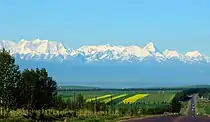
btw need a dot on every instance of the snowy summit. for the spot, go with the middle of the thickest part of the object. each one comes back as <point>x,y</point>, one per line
<point>50,50</point>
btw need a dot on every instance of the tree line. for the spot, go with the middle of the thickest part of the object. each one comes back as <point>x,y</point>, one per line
<point>30,89</point>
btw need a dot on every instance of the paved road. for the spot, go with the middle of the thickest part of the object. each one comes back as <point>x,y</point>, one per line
<point>190,118</point>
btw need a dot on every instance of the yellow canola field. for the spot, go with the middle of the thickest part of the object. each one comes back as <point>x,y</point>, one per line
<point>97,98</point>
<point>134,98</point>
<point>113,98</point>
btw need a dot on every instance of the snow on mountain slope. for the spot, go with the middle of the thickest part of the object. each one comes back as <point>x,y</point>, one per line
<point>88,50</point>
<point>193,54</point>
<point>41,47</point>
<point>122,53</point>
<point>171,54</point>
<point>100,52</point>
<point>135,51</point>
<point>35,49</point>
<point>4,43</point>
<point>50,50</point>
<point>9,45</point>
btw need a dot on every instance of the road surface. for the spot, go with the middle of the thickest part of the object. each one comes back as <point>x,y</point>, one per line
<point>189,118</point>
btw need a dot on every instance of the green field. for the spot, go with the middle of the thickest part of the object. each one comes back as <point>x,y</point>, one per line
<point>87,94</point>
<point>154,97</point>
<point>158,98</point>
<point>203,108</point>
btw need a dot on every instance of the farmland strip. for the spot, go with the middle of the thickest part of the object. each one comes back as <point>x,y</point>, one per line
<point>134,98</point>
<point>97,98</point>
<point>116,97</point>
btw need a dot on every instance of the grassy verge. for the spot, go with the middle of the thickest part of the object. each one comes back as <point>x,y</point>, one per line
<point>198,108</point>
<point>202,107</point>
<point>185,108</point>
<point>82,116</point>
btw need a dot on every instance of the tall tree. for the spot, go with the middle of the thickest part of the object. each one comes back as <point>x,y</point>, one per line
<point>9,77</point>
<point>29,79</point>
<point>80,101</point>
<point>46,89</point>
<point>40,90</point>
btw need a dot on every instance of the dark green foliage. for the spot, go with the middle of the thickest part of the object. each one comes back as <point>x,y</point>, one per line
<point>9,78</point>
<point>59,103</point>
<point>31,89</point>
<point>175,106</point>
<point>80,101</point>
<point>38,89</point>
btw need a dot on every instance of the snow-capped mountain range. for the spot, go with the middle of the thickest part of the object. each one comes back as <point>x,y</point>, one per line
<point>50,50</point>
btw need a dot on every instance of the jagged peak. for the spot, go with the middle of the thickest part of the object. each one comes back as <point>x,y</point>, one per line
<point>150,44</point>
<point>150,47</point>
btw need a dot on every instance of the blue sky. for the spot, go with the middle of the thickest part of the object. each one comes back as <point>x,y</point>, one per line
<point>175,24</point>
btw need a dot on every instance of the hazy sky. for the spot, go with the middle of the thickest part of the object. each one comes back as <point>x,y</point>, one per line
<point>175,24</point>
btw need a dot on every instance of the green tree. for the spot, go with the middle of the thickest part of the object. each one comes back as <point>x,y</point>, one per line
<point>29,79</point>
<point>9,77</point>
<point>46,90</point>
<point>39,90</point>
<point>175,106</point>
<point>80,101</point>
<point>59,104</point>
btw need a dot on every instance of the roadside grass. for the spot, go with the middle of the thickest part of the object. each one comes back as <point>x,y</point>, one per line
<point>202,107</point>
<point>82,116</point>
<point>185,108</point>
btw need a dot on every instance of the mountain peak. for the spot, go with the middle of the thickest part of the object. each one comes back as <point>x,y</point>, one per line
<point>39,40</point>
<point>150,47</point>
<point>193,54</point>
<point>171,54</point>
<point>23,41</point>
